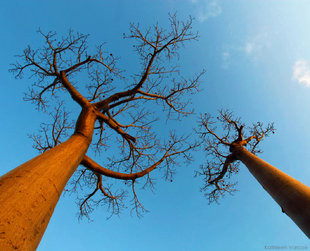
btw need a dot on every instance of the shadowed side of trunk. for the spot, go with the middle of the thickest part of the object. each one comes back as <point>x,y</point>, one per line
<point>30,192</point>
<point>292,195</point>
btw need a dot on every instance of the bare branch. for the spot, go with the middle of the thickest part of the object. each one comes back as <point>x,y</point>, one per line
<point>123,116</point>
<point>222,152</point>
<point>54,133</point>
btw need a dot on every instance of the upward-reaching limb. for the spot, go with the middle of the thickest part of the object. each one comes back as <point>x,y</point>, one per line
<point>225,151</point>
<point>119,103</point>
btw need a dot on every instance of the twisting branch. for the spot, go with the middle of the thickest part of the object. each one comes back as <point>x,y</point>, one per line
<point>125,114</point>
<point>152,46</point>
<point>114,201</point>
<point>137,205</point>
<point>169,153</point>
<point>222,152</point>
<point>54,133</point>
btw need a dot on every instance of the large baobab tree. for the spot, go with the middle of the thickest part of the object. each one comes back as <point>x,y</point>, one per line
<point>116,117</point>
<point>239,143</point>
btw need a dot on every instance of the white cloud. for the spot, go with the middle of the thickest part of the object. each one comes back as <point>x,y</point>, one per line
<point>249,47</point>
<point>225,59</point>
<point>256,44</point>
<point>253,48</point>
<point>301,72</point>
<point>207,9</point>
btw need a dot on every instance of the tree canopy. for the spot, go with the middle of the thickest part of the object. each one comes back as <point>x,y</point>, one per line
<point>124,137</point>
<point>222,161</point>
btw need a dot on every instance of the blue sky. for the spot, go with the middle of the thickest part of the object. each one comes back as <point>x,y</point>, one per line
<point>257,57</point>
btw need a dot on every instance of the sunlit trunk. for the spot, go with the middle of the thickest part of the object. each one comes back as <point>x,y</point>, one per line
<point>292,195</point>
<point>30,192</point>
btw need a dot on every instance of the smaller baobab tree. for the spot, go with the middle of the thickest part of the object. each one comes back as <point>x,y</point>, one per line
<point>237,143</point>
<point>117,114</point>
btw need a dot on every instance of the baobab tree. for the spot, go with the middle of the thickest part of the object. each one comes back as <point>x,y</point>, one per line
<point>236,143</point>
<point>115,115</point>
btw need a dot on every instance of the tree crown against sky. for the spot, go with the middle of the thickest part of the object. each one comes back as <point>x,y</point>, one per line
<point>250,49</point>
<point>123,136</point>
<point>221,137</point>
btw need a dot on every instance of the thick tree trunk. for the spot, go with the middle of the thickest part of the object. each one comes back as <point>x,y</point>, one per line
<point>30,192</point>
<point>292,195</point>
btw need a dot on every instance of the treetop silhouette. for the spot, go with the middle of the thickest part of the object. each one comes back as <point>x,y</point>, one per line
<point>115,119</point>
<point>223,137</point>
<point>58,67</point>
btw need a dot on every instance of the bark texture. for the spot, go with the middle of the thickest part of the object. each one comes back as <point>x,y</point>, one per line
<point>292,195</point>
<point>30,192</point>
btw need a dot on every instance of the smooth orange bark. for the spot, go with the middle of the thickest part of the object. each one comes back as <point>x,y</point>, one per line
<point>30,192</point>
<point>292,195</point>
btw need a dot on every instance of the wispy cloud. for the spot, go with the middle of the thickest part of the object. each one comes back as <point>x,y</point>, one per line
<point>301,72</point>
<point>256,44</point>
<point>249,48</point>
<point>225,59</point>
<point>253,48</point>
<point>207,9</point>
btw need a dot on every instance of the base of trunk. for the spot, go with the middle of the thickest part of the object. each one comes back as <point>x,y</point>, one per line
<point>30,192</point>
